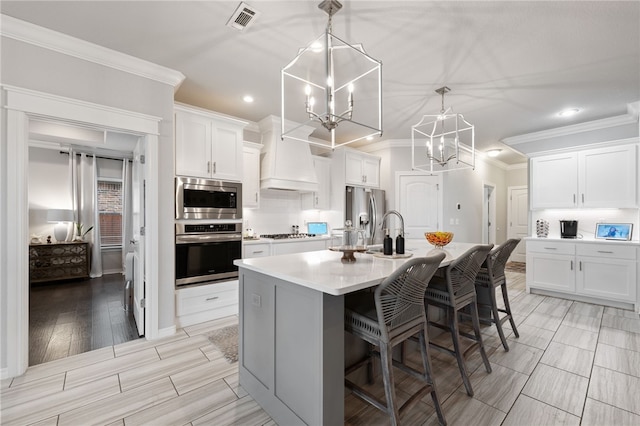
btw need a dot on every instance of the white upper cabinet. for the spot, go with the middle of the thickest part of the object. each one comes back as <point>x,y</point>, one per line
<point>603,177</point>
<point>251,176</point>
<point>321,198</point>
<point>554,181</point>
<point>362,169</point>
<point>208,145</point>
<point>607,177</point>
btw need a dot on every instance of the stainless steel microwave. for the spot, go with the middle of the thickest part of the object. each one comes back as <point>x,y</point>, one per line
<point>208,199</point>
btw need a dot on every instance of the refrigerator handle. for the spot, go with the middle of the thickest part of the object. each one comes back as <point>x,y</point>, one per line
<point>374,217</point>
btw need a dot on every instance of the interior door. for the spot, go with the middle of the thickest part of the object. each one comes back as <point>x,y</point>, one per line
<point>419,201</point>
<point>138,217</point>
<point>517,215</point>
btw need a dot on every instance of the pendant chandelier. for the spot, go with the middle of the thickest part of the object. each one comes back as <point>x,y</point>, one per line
<point>334,87</point>
<point>443,142</point>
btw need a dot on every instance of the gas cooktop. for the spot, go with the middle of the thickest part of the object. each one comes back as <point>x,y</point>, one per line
<point>286,236</point>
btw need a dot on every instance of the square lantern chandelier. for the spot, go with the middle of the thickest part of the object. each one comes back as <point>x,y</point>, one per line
<point>334,87</point>
<point>443,142</point>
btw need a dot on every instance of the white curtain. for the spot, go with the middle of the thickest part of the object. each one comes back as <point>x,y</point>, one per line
<point>127,223</point>
<point>84,170</point>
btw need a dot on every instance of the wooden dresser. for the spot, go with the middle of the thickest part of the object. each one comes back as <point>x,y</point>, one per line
<point>60,261</point>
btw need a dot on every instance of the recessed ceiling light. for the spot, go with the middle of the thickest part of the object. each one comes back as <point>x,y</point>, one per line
<point>493,152</point>
<point>248,98</point>
<point>568,112</point>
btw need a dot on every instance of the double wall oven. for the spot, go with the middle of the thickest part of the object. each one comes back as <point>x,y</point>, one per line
<point>208,231</point>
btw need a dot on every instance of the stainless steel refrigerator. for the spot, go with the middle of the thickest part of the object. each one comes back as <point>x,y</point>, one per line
<point>365,208</point>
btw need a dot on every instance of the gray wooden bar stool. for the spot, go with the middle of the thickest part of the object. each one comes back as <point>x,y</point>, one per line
<point>452,293</point>
<point>388,317</point>
<point>491,276</point>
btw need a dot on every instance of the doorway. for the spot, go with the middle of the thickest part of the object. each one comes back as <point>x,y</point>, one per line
<point>76,289</point>
<point>488,213</point>
<point>23,106</point>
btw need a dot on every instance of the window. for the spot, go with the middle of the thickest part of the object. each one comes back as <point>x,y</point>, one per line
<point>110,211</point>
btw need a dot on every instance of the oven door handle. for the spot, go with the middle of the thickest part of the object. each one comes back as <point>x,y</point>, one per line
<point>187,239</point>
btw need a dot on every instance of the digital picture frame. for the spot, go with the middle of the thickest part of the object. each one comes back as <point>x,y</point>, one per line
<point>614,231</point>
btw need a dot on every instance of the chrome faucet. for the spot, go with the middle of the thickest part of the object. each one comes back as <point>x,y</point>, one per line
<point>395,212</point>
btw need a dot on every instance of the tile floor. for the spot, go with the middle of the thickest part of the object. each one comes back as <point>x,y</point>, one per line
<point>574,363</point>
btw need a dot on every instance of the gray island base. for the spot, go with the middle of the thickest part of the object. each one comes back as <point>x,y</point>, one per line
<point>291,328</point>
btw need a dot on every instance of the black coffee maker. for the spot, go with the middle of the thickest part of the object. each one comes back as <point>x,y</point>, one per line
<point>568,228</point>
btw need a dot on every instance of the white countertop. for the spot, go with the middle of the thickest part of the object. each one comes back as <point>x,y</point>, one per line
<point>323,271</point>
<point>585,240</point>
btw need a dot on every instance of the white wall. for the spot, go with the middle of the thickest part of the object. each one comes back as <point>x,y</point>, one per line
<point>49,188</point>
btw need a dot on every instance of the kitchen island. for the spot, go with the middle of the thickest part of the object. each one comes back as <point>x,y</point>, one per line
<point>291,327</point>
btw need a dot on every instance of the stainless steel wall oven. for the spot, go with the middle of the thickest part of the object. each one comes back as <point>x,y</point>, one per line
<point>208,199</point>
<point>205,252</point>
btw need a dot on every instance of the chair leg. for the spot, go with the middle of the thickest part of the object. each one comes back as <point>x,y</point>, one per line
<point>370,372</point>
<point>428,372</point>
<point>455,336</point>
<point>476,330</point>
<point>507,308</point>
<point>496,318</point>
<point>386,358</point>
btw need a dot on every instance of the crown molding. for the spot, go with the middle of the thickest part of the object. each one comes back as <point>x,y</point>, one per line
<point>52,40</point>
<point>589,126</point>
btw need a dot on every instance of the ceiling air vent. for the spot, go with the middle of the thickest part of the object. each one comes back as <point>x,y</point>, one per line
<point>243,17</point>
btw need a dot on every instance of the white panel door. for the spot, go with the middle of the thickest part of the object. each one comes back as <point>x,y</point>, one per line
<point>138,222</point>
<point>419,201</point>
<point>518,218</point>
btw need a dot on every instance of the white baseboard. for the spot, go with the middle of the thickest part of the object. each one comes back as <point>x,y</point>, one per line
<point>166,332</point>
<point>4,373</point>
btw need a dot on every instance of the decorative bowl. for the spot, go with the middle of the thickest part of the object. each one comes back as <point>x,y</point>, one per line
<point>439,238</point>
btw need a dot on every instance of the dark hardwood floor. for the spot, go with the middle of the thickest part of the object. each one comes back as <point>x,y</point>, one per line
<point>71,317</point>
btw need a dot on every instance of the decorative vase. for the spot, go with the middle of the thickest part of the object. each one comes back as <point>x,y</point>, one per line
<point>542,228</point>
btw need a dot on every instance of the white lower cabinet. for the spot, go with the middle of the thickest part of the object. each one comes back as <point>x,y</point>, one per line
<point>206,302</point>
<point>550,266</point>
<point>256,250</point>
<point>604,272</point>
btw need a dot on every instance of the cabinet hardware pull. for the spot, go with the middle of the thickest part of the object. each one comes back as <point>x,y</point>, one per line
<point>582,198</point>
<point>316,201</point>
<point>551,248</point>
<point>574,198</point>
<point>208,166</point>
<point>212,298</point>
<point>580,265</point>
<point>259,251</point>
<point>605,251</point>
<point>256,197</point>
<point>214,167</point>
<point>572,265</point>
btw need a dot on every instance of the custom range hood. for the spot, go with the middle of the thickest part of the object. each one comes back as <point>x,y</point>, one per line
<point>286,164</point>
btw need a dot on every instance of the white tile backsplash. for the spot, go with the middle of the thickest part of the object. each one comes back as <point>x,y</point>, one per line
<point>279,210</point>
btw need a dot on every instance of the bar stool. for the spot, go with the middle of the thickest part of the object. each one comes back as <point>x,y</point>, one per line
<point>452,293</point>
<point>388,317</point>
<point>490,276</point>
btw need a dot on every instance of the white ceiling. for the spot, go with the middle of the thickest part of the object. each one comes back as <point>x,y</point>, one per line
<point>511,65</point>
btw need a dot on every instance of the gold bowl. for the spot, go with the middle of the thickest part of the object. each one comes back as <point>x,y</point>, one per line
<point>439,238</point>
